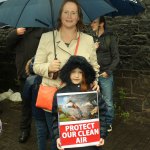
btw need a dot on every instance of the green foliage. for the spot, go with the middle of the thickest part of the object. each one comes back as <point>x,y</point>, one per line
<point>125,116</point>
<point>119,106</point>
<point>122,94</point>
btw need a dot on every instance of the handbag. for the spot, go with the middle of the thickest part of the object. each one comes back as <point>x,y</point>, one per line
<point>45,97</point>
<point>46,93</point>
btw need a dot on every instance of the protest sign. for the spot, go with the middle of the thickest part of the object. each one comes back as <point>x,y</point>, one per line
<point>78,115</point>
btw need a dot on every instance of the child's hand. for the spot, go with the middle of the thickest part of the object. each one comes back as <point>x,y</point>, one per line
<point>95,86</point>
<point>27,70</point>
<point>59,144</point>
<point>101,142</point>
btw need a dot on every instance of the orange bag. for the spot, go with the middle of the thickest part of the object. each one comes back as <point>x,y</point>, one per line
<point>45,97</point>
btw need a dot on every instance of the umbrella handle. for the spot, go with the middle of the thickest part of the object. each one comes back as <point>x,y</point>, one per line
<point>55,74</point>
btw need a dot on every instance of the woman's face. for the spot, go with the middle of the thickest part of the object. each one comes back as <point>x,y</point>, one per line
<point>95,25</point>
<point>76,76</point>
<point>69,16</point>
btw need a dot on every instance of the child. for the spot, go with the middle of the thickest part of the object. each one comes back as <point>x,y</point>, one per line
<point>78,74</point>
<point>30,92</point>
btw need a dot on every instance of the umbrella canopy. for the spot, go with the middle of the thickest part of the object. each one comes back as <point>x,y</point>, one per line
<point>2,1</point>
<point>3,25</point>
<point>125,7</point>
<point>37,13</point>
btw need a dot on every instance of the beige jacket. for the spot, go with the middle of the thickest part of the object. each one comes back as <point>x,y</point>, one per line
<point>45,54</point>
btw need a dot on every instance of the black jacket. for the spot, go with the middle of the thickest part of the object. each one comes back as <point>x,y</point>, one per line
<point>107,52</point>
<point>76,88</point>
<point>25,47</point>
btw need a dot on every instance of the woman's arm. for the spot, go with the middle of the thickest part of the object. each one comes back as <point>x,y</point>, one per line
<point>41,63</point>
<point>93,59</point>
<point>94,63</point>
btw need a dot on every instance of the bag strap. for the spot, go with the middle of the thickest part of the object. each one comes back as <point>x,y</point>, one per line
<point>77,45</point>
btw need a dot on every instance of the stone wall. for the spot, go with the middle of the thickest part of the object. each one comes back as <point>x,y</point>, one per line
<point>133,73</point>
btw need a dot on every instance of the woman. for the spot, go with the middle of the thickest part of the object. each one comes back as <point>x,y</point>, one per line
<point>69,41</point>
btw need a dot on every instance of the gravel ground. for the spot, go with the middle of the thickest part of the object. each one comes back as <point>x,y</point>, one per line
<point>125,136</point>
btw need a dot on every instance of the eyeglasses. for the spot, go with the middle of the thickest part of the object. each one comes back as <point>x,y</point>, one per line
<point>71,13</point>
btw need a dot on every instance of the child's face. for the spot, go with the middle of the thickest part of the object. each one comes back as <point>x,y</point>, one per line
<point>76,76</point>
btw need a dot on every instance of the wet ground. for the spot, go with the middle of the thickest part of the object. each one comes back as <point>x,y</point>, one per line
<point>125,136</point>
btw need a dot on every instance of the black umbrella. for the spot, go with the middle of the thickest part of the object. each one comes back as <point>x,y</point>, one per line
<point>44,13</point>
<point>125,7</point>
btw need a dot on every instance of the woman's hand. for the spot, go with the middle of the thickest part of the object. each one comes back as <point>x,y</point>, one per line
<point>20,31</point>
<point>95,86</point>
<point>101,142</point>
<point>59,144</point>
<point>54,66</point>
